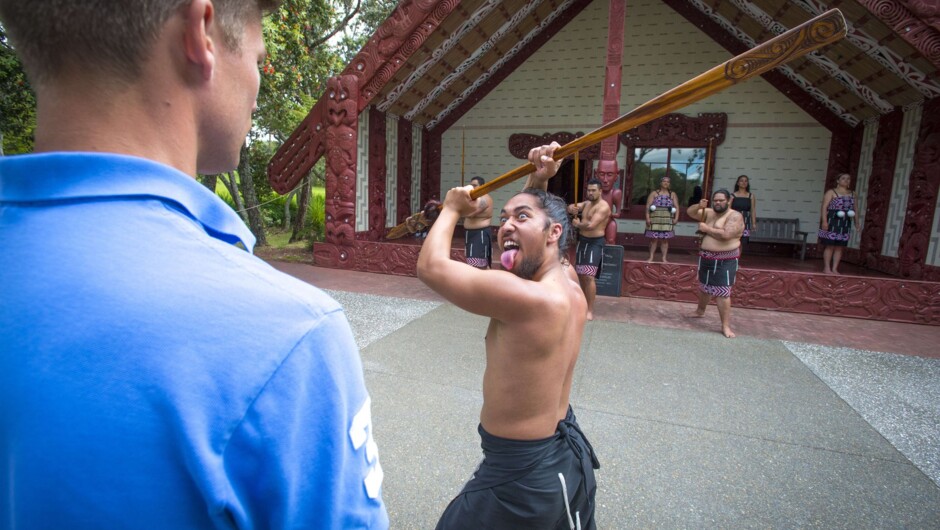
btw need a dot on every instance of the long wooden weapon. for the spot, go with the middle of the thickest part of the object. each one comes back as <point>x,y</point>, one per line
<point>809,36</point>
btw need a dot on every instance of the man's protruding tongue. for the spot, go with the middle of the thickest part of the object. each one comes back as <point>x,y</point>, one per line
<point>507,258</point>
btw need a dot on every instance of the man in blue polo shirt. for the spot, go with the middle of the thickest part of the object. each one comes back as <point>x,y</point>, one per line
<point>153,372</point>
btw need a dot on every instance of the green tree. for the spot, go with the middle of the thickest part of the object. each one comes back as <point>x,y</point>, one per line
<point>361,28</point>
<point>300,60</point>
<point>17,103</point>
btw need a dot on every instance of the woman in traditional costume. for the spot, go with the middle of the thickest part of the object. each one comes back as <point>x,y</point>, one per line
<point>835,222</point>
<point>662,215</point>
<point>742,200</point>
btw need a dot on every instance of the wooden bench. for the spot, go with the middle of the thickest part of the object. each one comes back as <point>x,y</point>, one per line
<point>773,230</point>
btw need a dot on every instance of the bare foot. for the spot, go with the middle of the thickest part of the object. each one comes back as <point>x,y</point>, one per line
<point>695,314</point>
<point>649,260</point>
<point>837,273</point>
<point>728,333</point>
<point>665,260</point>
<point>827,271</point>
<point>590,315</point>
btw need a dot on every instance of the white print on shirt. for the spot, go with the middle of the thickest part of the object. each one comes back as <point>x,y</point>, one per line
<point>360,432</point>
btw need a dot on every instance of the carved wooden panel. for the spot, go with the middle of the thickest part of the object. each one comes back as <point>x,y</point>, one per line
<point>797,292</point>
<point>521,143</point>
<point>612,72</point>
<point>340,138</point>
<point>394,42</point>
<point>377,174</point>
<point>399,259</point>
<point>678,130</point>
<point>405,170</point>
<point>431,167</point>
<point>922,198</point>
<point>879,186</point>
<point>300,151</point>
<point>904,18</point>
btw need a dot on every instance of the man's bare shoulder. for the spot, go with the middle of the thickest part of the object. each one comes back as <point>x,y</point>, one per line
<point>562,292</point>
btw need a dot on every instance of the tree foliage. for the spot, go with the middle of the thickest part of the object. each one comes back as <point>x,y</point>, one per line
<point>307,42</point>
<point>17,103</point>
<point>357,32</point>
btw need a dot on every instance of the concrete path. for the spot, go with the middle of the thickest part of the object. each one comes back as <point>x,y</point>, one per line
<point>692,430</point>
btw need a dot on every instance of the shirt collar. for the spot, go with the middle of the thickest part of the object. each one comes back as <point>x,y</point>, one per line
<point>65,176</point>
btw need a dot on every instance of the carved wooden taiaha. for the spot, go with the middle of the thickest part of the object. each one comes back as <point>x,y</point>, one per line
<point>813,34</point>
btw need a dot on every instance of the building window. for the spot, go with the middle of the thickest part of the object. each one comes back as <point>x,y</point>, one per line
<point>677,145</point>
<point>685,167</point>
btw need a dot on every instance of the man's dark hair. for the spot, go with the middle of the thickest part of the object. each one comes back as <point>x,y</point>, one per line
<point>594,181</point>
<point>556,210</point>
<point>479,179</point>
<point>724,192</point>
<point>107,36</point>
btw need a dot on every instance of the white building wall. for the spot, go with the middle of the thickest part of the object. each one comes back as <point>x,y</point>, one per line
<point>769,138</point>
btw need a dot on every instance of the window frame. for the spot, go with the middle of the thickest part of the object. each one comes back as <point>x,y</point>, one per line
<point>672,131</point>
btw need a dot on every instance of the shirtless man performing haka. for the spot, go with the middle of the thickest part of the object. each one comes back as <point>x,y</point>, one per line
<point>538,468</point>
<point>590,218</point>
<point>718,256</point>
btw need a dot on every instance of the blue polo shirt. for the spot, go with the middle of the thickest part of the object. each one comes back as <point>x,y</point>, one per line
<point>155,374</point>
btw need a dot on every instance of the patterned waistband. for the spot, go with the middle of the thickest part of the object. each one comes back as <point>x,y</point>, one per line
<point>725,254</point>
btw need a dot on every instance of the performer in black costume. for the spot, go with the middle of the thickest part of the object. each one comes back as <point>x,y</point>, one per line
<point>745,202</point>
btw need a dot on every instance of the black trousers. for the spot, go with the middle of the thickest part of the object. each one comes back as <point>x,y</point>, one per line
<point>535,484</point>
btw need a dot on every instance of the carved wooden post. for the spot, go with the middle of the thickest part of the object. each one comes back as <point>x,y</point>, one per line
<point>880,182</point>
<point>431,166</point>
<point>922,198</point>
<point>342,118</point>
<point>404,150</point>
<point>377,174</point>
<point>613,70</point>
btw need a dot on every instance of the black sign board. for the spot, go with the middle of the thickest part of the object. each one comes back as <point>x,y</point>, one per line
<point>608,282</point>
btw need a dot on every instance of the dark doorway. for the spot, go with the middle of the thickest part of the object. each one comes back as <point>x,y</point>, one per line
<point>563,183</point>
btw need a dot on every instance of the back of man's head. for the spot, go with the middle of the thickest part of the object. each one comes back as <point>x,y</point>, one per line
<point>106,37</point>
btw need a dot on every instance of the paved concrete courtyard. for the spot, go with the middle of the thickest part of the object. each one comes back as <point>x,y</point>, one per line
<point>692,430</point>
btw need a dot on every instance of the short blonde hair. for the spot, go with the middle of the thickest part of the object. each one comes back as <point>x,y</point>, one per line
<point>110,37</point>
